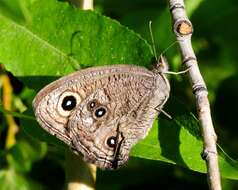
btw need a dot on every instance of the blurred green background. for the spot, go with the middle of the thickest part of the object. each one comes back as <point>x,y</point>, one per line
<point>26,163</point>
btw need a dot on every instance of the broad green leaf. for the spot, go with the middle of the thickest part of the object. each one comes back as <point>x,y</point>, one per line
<point>17,42</point>
<point>178,141</point>
<point>173,143</point>
<point>61,38</point>
<point>11,9</point>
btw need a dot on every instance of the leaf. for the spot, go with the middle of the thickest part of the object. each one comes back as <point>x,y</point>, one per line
<point>24,153</point>
<point>16,41</point>
<point>61,38</point>
<point>7,182</point>
<point>172,143</point>
<point>178,141</point>
<point>15,114</point>
<point>191,6</point>
<point>11,9</point>
<point>11,180</point>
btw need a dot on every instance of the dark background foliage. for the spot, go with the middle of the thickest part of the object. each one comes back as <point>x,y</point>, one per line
<point>32,164</point>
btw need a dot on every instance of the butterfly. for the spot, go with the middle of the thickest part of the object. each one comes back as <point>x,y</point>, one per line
<point>101,112</point>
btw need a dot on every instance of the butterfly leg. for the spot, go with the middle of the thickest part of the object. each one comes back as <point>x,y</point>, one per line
<point>177,73</point>
<point>163,112</point>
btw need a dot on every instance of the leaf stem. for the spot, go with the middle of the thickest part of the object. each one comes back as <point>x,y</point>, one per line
<point>79,174</point>
<point>183,30</point>
<point>83,4</point>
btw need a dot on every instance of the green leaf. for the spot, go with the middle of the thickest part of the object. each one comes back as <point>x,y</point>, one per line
<point>191,6</point>
<point>11,9</point>
<point>17,40</point>
<point>61,38</point>
<point>11,180</point>
<point>26,151</point>
<point>171,142</point>
<point>16,114</point>
<point>178,141</point>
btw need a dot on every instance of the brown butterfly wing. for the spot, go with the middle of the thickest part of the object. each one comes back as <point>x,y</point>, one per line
<point>112,108</point>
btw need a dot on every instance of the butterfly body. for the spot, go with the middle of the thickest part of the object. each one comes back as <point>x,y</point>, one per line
<point>101,112</point>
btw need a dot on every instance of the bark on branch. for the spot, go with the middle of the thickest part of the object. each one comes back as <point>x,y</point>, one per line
<point>183,30</point>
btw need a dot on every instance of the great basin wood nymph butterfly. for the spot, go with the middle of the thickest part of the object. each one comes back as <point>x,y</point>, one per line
<point>101,112</point>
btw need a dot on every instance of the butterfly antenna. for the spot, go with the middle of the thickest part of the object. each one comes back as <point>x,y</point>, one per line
<point>171,45</point>
<point>152,40</point>
<point>162,59</point>
<point>163,112</point>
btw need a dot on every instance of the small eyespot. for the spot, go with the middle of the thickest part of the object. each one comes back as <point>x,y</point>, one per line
<point>100,112</point>
<point>92,104</point>
<point>69,103</point>
<point>112,141</point>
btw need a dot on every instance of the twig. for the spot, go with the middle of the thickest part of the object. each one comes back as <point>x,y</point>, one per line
<point>183,30</point>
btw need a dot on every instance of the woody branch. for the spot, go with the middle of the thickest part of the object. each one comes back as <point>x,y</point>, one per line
<point>183,30</point>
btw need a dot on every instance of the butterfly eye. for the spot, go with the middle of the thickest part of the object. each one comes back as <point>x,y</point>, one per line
<point>111,142</point>
<point>100,112</point>
<point>69,103</point>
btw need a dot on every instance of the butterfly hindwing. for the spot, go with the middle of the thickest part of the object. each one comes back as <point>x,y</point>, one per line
<point>102,111</point>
